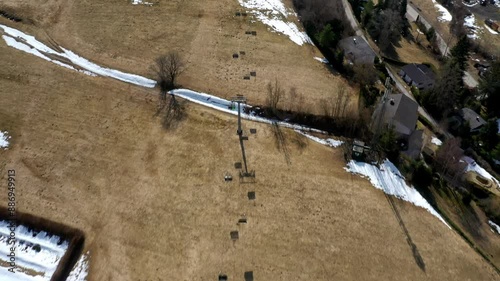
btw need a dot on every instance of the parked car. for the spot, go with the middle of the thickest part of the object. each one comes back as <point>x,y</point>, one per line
<point>492,24</point>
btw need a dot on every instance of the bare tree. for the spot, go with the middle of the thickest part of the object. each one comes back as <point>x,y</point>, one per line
<point>274,94</point>
<point>167,68</point>
<point>297,101</point>
<point>292,99</point>
<point>457,27</point>
<point>336,107</point>
<point>365,74</point>
<point>174,113</point>
<point>448,158</point>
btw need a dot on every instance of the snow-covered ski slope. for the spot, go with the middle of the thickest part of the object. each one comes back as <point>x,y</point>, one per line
<point>37,254</point>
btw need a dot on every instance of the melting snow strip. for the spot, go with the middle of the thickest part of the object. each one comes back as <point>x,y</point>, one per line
<point>389,179</point>
<point>327,142</point>
<point>323,60</point>
<point>231,108</point>
<point>494,226</point>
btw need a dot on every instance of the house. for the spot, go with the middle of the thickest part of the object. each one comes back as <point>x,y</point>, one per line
<point>475,121</point>
<point>357,51</point>
<point>399,111</point>
<point>418,75</point>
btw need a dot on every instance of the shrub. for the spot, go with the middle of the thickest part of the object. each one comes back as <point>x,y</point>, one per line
<point>37,248</point>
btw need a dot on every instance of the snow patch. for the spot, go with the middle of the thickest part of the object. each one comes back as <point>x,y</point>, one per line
<point>494,226</point>
<point>445,15</point>
<point>81,269</point>
<point>27,43</point>
<point>274,14</point>
<point>328,142</point>
<point>389,179</point>
<point>473,29</point>
<point>436,141</point>
<point>39,253</point>
<point>274,6</point>
<point>323,60</point>
<point>137,2</point>
<point>4,139</point>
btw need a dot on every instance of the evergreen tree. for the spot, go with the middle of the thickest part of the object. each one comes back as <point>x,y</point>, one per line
<point>489,88</point>
<point>448,88</point>
<point>489,134</point>
<point>402,8</point>
<point>326,37</point>
<point>461,52</point>
<point>388,144</point>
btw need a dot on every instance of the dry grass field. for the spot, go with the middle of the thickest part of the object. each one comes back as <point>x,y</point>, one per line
<point>129,37</point>
<point>153,205</point>
<point>89,153</point>
<point>410,51</point>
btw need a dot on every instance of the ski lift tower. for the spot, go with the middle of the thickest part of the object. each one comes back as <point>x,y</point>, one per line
<point>239,99</point>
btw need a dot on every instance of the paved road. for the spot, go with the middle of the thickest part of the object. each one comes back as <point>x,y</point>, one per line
<point>490,11</point>
<point>352,19</point>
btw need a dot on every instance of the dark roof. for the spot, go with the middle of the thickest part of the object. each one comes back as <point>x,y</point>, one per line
<point>419,73</point>
<point>357,48</point>
<point>469,115</point>
<point>402,112</point>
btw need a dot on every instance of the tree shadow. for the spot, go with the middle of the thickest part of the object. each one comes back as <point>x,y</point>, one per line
<point>174,113</point>
<point>414,250</point>
<point>281,142</point>
<point>468,217</point>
